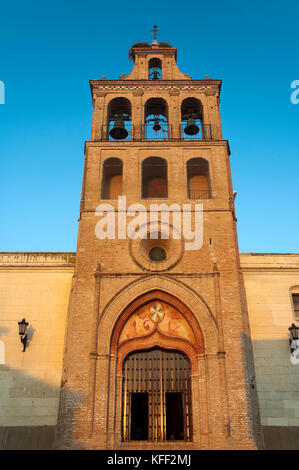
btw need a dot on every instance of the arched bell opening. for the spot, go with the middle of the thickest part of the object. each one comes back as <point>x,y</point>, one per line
<point>192,126</point>
<point>155,69</point>
<point>154,178</point>
<point>111,186</point>
<point>119,120</point>
<point>156,396</point>
<point>198,179</point>
<point>156,119</point>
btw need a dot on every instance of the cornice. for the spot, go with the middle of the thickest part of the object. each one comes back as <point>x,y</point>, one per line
<point>156,273</point>
<point>270,269</point>
<point>149,145</point>
<point>37,259</point>
<point>264,263</point>
<point>209,85</point>
<point>156,143</point>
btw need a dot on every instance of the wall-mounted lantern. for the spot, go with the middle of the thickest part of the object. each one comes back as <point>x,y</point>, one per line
<point>294,343</point>
<point>294,335</point>
<point>22,332</point>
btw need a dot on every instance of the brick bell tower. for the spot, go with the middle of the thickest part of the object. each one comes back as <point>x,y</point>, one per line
<point>158,352</point>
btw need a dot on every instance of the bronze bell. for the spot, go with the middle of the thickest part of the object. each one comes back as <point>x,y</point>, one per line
<point>156,126</point>
<point>191,128</point>
<point>155,75</point>
<point>119,132</point>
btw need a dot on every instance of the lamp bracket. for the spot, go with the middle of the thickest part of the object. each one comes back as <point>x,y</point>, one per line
<point>24,341</point>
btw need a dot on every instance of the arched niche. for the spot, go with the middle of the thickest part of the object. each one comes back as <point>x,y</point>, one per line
<point>154,178</point>
<point>198,179</point>
<point>112,176</point>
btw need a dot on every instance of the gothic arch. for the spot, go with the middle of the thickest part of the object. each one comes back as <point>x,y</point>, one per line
<point>169,286</point>
<point>106,371</point>
<point>156,336</point>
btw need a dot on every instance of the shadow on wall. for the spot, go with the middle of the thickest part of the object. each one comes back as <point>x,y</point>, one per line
<point>30,332</point>
<point>3,331</point>
<point>277,383</point>
<point>27,403</point>
<point>251,391</point>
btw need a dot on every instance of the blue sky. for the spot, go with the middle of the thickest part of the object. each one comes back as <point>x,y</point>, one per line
<point>50,50</point>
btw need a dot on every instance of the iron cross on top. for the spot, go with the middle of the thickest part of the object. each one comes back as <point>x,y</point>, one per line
<point>155,31</point>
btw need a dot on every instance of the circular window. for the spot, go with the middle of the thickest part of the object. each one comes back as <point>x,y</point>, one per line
<point>157,254</point>
<point>158,247</point>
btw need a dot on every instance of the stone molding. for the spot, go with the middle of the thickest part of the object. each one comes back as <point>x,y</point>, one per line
<point>17,259</point>
<point>108,317</point>
<point>205,88</point>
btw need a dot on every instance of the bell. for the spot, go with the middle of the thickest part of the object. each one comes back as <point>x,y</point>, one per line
<point>156,126</point>
<point>119,132</point>
<point>191,128</point>
<point>155,75</point>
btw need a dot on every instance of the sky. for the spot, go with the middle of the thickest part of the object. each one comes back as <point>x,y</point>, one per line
<point>50,50</point>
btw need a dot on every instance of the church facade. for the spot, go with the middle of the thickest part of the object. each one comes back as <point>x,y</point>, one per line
<point>156,333</point>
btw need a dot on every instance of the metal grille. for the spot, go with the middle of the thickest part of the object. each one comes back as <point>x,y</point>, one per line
<point>200,194</point>
<point>156,372</point>
<point>145,132</point>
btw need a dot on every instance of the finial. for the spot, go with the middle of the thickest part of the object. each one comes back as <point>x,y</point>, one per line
<point>155,32</point>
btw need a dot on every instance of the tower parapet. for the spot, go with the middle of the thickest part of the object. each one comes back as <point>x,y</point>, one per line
<point>155,76</point>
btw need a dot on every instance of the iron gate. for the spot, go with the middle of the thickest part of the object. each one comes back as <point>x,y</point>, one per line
<point>156,396</point>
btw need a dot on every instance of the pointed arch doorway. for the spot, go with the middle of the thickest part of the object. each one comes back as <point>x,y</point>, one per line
<point>156,396</point>
<point>157,344</point>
